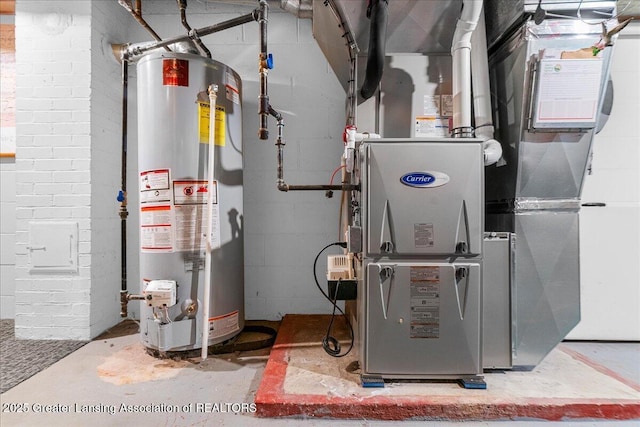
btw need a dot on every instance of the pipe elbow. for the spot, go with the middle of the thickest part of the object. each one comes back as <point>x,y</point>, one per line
<point>282,186</point>
<point>492,152</point>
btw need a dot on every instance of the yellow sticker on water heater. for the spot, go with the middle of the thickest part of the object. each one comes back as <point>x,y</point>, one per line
<point>204,118</point>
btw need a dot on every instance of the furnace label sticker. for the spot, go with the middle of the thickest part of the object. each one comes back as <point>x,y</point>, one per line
<point>190,203</point>
<point>224,325</point>
<point>423,235</point>
<point>425,302</point>
<point>204,120</point>
<point>431,126</point>
<point>154,186</point>
<point>156,234</point>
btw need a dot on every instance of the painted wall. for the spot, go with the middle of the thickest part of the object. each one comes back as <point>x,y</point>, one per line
<point>610,236</point>
<point>7,163</point>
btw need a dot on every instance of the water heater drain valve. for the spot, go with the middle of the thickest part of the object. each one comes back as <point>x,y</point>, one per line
<point>160,293</point>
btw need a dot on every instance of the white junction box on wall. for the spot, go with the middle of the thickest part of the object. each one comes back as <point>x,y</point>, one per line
<point>53,247</point>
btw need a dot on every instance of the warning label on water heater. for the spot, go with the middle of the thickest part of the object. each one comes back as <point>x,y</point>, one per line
<point>156,214</point>
<point>425,302</point>
<point>204,120</point>
<point>223,325</point>
<point>190,200</point>
<point>156,234</point>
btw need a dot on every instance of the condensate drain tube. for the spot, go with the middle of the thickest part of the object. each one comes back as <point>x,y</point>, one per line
<point>213,95</point>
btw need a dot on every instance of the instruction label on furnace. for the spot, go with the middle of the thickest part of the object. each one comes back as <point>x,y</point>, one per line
<point>425,302</point>
<point>224,325</point>
<point>423,235</point>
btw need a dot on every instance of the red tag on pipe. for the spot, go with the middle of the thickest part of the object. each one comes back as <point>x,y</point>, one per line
<point>175,72</point>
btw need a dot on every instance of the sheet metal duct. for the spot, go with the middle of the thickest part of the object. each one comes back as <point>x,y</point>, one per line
<point>537,193</point>
<point>422,27</point>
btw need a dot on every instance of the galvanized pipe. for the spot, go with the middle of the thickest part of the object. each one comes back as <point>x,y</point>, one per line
<point>281,184</point>
<point>137,15</point>
<point>182,4</point>
<point>240,20</point>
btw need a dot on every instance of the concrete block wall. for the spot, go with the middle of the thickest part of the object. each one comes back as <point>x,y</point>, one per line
<point>7,237</point>
<point>283,231</point>
<point>108,23</point>
<point>610,235</point>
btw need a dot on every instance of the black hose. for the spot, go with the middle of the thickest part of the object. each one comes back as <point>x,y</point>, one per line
<point>378,14</point>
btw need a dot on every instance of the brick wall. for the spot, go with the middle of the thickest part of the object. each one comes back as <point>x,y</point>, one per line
<point>53,161</point>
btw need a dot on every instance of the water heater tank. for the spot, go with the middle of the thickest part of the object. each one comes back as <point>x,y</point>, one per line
<point>174,116</point>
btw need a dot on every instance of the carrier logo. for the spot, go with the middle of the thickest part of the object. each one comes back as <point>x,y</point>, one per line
<point>424,179</point>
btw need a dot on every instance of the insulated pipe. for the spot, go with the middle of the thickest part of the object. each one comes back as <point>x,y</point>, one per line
<point>482,94</point>
<point>461,53</point>
<point>378,14</point>
<point>213,96</point>
<point>263,97</point>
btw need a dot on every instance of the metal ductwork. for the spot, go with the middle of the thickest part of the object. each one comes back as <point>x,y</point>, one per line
<point>432,33</point>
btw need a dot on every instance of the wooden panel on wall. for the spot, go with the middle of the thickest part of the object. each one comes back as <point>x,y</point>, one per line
<point>7,7</point>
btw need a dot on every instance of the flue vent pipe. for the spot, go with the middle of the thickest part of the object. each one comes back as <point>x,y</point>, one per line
<point>461,53</point>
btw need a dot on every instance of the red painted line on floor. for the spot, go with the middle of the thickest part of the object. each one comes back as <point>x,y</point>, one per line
<point>272,400</point>
<point>600,368</point>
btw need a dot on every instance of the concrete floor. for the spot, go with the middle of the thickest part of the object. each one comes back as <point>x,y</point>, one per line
<point>112,381</point>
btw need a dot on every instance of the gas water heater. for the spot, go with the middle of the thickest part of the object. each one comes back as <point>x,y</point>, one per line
<point>174,117</point>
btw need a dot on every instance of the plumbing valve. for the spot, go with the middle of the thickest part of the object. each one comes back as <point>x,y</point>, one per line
<point>121,196</point>
<point>269,61</point>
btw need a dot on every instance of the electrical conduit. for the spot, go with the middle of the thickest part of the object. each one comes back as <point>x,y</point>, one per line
<point>213,95</point>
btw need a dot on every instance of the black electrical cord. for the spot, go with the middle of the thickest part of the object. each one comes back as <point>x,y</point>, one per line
<point>329,343</point>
